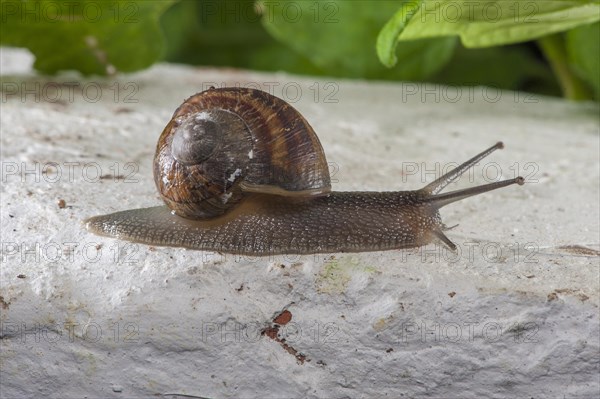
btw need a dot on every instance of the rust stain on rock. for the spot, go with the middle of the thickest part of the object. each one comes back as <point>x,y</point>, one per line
<point>273,332</point>
<point>283,318</point>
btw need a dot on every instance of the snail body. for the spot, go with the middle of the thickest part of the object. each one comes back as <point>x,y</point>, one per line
<point>241,171</point>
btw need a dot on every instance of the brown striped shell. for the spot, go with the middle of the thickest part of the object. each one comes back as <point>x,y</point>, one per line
<point>221,143</point>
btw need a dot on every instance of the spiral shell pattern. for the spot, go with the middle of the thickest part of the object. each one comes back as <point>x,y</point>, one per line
<point>222,143</point>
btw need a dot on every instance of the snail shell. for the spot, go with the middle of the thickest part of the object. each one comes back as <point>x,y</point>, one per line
<point>243,172</point>
<point>222,143</point>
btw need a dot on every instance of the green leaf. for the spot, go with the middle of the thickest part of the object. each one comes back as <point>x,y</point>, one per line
<point>93,37</point>
<point>339,37</point>
<point>485,23</point>
<point>555,50</point>
<point>387,39</point>
<point>226,34</point>
<point>583,47</point>
<point>511,67</point>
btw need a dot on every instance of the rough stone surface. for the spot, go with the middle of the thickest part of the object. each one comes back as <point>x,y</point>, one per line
<point>514,314</point>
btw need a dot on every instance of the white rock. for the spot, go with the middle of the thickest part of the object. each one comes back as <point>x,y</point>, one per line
<point>515,314</point>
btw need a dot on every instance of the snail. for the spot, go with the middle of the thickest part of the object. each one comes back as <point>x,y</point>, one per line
<point>241,171</point>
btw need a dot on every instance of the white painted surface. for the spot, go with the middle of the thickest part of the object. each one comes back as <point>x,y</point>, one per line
<point>84,316</point>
